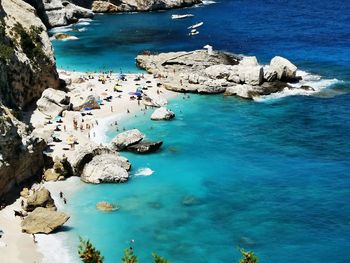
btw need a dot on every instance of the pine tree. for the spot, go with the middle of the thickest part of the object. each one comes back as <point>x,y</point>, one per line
<point>129,256</point>
<point>88,253</point>
<point>158,259</point>
<point>248,257</point>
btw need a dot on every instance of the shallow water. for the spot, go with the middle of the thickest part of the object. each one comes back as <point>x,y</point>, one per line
<point>271,176</point>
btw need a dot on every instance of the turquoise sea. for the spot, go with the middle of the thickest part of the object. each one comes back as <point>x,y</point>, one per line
<point>272,176</point>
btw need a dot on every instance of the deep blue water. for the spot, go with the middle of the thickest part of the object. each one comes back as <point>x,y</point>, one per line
<point>271,176</point>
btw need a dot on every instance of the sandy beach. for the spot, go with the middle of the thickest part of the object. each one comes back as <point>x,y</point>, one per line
<point>16,246</point>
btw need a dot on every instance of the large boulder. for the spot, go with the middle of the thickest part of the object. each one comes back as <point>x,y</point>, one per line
<point>251,75</point>
<point>104,169</point>
<point>127,138</point>
<point>162,113</point>
<point>284,69</point>
<point>153,100</point>
<point>104,7</point>
<point>53,102</point>
<point>145,147</point>
<point>218,71</point>
<point>90,101</point>
<point>43,220</point>
<point>40,198</point>
<point>85,153</point>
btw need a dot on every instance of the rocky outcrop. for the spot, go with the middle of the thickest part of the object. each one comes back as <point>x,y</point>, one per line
<point>20,152</point>
<point>40,198</point>
<point>283,69</point>
<point>126,139</point>
<point>162,114</point>
<point>90,101</point>
<point>27,63</point>
<point>53,102</point>
<point>145,147</point>
<point>43,220</point>
<point>153,100</point>
<point>217,72</point>
<point>139,5</point>
<point>104,169</point>
<point>98,164</point>
<point>59,12</point>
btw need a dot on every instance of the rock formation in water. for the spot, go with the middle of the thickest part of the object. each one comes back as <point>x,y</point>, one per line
<point>59,12</point>
<point>27,68</point>
<point>219,72</point>
<point>139,5</point>
<point>162,113</point>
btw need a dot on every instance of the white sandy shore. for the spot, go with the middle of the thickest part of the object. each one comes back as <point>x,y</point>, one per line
<point>16,246</point>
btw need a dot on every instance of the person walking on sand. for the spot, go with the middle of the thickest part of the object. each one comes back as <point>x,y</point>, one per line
<point>34,239</point>
<point>61,194</point>
<point>64,200</point>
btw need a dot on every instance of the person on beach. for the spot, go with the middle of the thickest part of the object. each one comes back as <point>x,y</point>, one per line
<point>111,108</point>
<point>61,194</point>
<point>127,111</point>
<point>34,239</point>
<point>64,200</point>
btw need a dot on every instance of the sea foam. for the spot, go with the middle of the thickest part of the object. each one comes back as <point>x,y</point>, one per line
<point>315,81</point>
<point>144,172</point>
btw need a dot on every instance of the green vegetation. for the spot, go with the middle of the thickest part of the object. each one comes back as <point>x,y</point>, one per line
<point>6,49</point>
<point>248,257</point>
<point>88,253</point>
<point>158,259</point>
<point>30,43</point>
<point>129,256</point>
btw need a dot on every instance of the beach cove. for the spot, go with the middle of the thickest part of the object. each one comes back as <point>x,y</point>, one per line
<point>269,175</point>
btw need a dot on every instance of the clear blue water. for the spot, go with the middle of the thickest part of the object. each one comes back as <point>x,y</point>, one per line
<point>272,176</point>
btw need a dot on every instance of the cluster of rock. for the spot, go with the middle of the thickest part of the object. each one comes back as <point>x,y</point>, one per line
<point>113,6</point>
<point>98,164</point>
<point>53,102</point>
<point>43,216</point>
<point>218,72</point>
<point>132,140</point>
<point>59,12</point>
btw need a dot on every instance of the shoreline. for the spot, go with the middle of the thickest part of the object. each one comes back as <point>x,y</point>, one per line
<point>20,246</point>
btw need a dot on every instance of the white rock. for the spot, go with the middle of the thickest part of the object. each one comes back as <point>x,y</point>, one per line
<point>249,61</point>
<point>218,71</point>
<point>53,102</point>
<point>284,69</point>
<point>104,169</point>
<point>252,75</point>
<point>127,138</point>
<point>154,100</point>
<point>162,114</point>
<point>240,91</point>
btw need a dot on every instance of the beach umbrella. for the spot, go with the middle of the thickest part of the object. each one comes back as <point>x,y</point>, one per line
<point>70,140</point>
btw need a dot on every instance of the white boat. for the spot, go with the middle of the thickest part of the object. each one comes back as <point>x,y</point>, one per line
<point>181,16</point>
<point>195,25</point>
<point>193,33</point>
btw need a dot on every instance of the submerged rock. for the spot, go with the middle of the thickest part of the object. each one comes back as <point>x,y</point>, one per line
<point>162,114</point>
<point>43,220</point>
<point>126,139</point>
<point>145,147</point>
<point>106,206</point>
<point>40,198</point>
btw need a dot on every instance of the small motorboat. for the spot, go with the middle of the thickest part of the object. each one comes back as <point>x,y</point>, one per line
<point>195,25</point>
<point>193,32</point>
<point>181,16</point>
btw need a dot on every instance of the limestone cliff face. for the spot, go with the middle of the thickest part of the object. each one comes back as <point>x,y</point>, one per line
<point>58,12</point>
<point>27,68</point>
<point>139,5</point>
<point>21,155</point>
<point>26,56</point>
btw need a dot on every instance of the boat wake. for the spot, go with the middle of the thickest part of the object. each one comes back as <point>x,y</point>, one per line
<point>144,172</point>
<point>208,2</point>
<point>316,82</point>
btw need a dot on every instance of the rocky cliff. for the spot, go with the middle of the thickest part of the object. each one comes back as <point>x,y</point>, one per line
<point>27,68</point>
<point>26,57</point>
<point>139,5</point>
<point>58,12</point>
